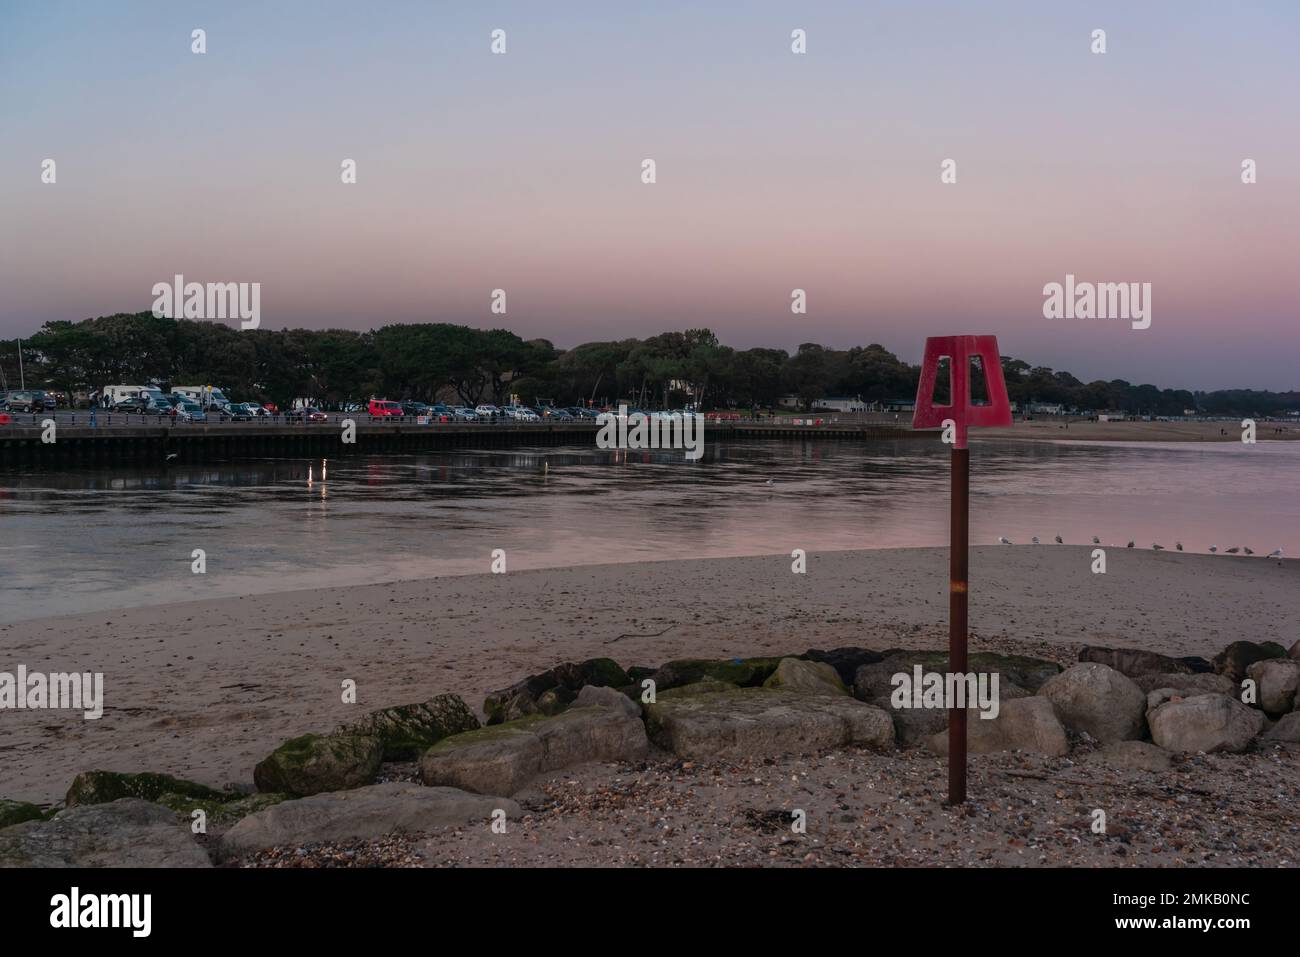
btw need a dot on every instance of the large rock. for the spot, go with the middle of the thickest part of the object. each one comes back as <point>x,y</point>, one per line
<point>1286,731</point>
<point>502,759</point>
<point>1023,724</point>
<point>761,722</point>
<point>1240,655</point>
<point>315,763</point>
<point>1276,681</point>
<point>103,787</point>
<point>846,661</point>
<point>913,727</point>
<point>1096,698</point>
<point>600,697</point>
<point>126,833</point>
<point>1133,661</point>
<point>806,677</point>
<point>16,812</point>
<point>876,680</point>
<point>361,814</point>
<point>407,730</point>
<point>1187,684</point>
<point>552,691</point>
<point>738,672</point>
<point>1133,755</point>
<point>1207,722</point>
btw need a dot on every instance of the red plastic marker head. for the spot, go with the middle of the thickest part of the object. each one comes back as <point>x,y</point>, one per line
<point>958,351</point>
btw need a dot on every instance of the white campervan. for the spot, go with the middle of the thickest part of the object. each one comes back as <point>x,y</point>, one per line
<point>207,396</point>
<point>111,395</point>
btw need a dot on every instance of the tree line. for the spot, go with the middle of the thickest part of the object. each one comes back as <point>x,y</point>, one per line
<point>431,361</point>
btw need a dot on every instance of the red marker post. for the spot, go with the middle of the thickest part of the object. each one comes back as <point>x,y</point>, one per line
<point>958,415</point>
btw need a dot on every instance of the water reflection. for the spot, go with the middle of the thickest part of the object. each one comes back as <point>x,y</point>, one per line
<point>118,538</point>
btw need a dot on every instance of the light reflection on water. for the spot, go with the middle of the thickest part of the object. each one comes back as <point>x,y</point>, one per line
<point>77,541</point>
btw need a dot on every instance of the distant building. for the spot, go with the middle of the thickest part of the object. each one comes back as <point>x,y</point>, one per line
<point>839,403</point>
<point>900,405</point>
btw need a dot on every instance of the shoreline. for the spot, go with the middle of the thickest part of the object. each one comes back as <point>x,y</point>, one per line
<point>205,689</point>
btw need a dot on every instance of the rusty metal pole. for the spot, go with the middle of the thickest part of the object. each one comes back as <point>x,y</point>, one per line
<point>958,556</point>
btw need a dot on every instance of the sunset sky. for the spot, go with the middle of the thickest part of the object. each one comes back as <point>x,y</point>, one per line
<point>775,171</point>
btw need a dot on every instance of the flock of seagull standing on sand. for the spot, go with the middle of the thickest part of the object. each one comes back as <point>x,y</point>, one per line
<point>1245,549</point>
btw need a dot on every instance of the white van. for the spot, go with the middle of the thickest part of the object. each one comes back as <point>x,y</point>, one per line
<point>206,396</point>
<point>111,395</point>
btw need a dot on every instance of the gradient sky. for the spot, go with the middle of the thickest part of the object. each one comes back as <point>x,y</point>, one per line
<point>776,171</point>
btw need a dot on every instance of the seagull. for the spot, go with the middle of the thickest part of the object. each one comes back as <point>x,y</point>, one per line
<point>1233,550</point>
<point>1058,540</point>
<point>1096,540</point>
<point>1002,540</point>
<point>1158,548</point>
<point>171,455</point>
<point>1178,545</point>
<point>1275,553</point>
<point>1213,549</point>
<point>1129,545</point>
<point>1036,541</point>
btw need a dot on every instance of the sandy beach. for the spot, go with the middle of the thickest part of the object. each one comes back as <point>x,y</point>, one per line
<point>1078,431</point>
<point>205,689</point>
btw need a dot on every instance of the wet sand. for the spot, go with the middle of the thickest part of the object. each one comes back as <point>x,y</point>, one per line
<point>205,689</point>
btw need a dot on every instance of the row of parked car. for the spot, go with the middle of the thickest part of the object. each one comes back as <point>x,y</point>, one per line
<point>28,400</point>
<point>480,413</point>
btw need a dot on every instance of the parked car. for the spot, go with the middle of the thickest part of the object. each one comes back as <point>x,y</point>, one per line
<point>23,401</point>
<point>461,413</point>
<point>135,404</point>
<point>239,412</point>
<point>488,412</point>
<point>187,411</point>
<point>270,408</point>
<point>383,407</point>
<point>525,414</point>
<point>308,414</point>
<point>415,408</point>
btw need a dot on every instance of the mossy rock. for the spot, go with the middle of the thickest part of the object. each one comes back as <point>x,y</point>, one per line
<point>741,672</point>
<point>104,787</point>
<point>314,763</point>
<point>220,812</point>
<point>16,812</point>
<point>637,674</point>
<point>1021,670</point>
<point>552,691</point>
<point>806,677</point>
<point>408,730</point>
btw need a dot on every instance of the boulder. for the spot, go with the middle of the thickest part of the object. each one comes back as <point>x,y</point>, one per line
<point>1132,755</point>
<point>361,814</point>
<point>552,691</point>
<point>738,672</point>
<point>1133,661</point>
<point>846,661</point>
<point>1187,684</point>
<point>762,722</point>
<point>1240,655</point>
<point>1294,651</point>
<point>407,730</point>
<point>103,787</point>
<point>314,763</point>
<point>913,727</point>
<point>1158,696</point>
<point>806,677</point>
<point>1096,698</point>
<point>16,812</point>
<point>876,680</point>
<point>1207,722</point>
<point>1276,681</point>
<point>599,697</point>
<point>1286,731</point>
<point>502,759</point>
<point>125,833</point>
<point>1023,724</point>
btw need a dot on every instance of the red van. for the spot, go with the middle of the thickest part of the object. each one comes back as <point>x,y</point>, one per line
<point>384,407</point>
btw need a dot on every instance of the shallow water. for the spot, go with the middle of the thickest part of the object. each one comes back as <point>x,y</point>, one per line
<point>80,540</point>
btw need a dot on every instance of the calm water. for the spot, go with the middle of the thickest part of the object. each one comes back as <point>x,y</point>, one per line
<point>94,540</point>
